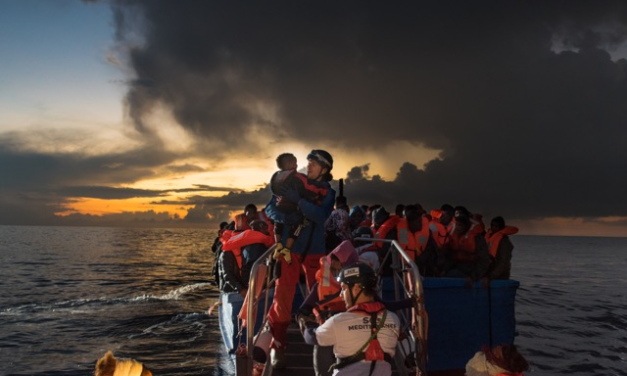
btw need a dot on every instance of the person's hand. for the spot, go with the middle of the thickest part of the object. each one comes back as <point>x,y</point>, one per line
<point>291,194</point>
<point>302,320</point>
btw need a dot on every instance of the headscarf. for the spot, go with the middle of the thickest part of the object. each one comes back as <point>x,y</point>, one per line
<point>338,223</point>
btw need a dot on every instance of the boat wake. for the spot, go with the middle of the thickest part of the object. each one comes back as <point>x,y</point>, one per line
<point>76,306</point>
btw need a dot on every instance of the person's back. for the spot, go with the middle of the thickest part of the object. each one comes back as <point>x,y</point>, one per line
<point>500,248</point>
<point>364,338</point>
<point>239,253</point>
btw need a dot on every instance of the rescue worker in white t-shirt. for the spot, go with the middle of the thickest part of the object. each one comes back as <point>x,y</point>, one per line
<point>364,337</point>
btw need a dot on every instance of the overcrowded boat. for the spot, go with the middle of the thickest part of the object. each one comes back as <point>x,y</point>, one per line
<point>447,322</point>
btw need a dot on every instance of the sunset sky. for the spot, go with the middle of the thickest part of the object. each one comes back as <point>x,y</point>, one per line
<point>171,113</point>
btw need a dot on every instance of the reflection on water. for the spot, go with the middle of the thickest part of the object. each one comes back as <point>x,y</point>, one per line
<point>70,294</point>
<point>571,307</point>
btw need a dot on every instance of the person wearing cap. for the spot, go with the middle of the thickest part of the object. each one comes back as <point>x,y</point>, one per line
<point>364,337</point>
<point>312,190</point>
<point>324,300</point>
<point>305,254</point>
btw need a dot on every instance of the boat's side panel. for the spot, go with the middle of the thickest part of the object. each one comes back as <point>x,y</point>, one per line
<point>460,319</point>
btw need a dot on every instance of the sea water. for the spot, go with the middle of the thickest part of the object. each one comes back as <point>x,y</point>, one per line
<point>69,294</point>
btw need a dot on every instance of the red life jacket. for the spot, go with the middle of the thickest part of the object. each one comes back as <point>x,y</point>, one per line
<point>494,239</point>
<point>242,239</point>
<point>264,217</point>
<point>320,192</point>
<point>226,235</point>
<point>241,222</point>
<point>413,242</point>
<point>388,225</point>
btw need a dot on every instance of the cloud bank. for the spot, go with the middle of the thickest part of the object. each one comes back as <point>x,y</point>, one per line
<point>525,100</point>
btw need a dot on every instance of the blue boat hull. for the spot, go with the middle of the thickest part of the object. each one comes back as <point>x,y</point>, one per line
<point>462,319</point>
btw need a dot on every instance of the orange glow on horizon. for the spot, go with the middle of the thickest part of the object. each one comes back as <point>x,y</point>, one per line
<point>100,207</point>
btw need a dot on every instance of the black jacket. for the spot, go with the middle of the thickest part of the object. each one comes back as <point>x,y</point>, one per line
<point>232,279</point>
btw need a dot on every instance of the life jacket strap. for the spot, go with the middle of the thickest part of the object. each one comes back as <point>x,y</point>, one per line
<point>361,354</point>
<point>343,362</point>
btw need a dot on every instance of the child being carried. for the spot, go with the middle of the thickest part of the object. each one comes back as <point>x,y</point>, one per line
<point>288,178</point>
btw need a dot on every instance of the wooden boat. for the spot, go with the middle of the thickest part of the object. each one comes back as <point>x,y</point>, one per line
<point>447,325</point>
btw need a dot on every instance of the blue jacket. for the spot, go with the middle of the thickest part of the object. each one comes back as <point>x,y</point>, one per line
<point>316,215</point>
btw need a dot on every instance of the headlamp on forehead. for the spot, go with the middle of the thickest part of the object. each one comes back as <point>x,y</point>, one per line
<point>322,157</point>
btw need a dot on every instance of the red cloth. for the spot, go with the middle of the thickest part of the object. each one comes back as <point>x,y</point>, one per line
<point>280,313</point>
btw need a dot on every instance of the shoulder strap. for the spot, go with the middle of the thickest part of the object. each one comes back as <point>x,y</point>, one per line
<point>360,354</point>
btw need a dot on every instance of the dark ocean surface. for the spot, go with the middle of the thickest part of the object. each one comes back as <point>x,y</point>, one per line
<point>69,294</point>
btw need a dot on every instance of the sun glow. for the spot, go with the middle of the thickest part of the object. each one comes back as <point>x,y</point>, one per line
<point>101,207</point>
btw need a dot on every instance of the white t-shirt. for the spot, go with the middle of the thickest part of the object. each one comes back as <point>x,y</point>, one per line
<point>347,332</point>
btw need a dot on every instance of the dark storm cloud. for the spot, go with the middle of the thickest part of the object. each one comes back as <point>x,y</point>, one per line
<point>216,209</point>
<point>35,185</point>
<point>108,193</point>
<point>522,98</point>
<point>25,169</point>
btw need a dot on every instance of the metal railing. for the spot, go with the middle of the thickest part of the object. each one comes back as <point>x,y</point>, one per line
<point>407,284</point>
<point>264,259</point>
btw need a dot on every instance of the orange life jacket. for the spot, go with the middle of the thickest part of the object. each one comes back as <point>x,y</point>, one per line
<point>464,248</point>
<point>416,242</point>
<point>388,225</point>
<point>441,234</point>
<point>241,222</point>
<point>494,239</point>
<point>476,223</point>
<point>241,240</point>
<point>329,298</point>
